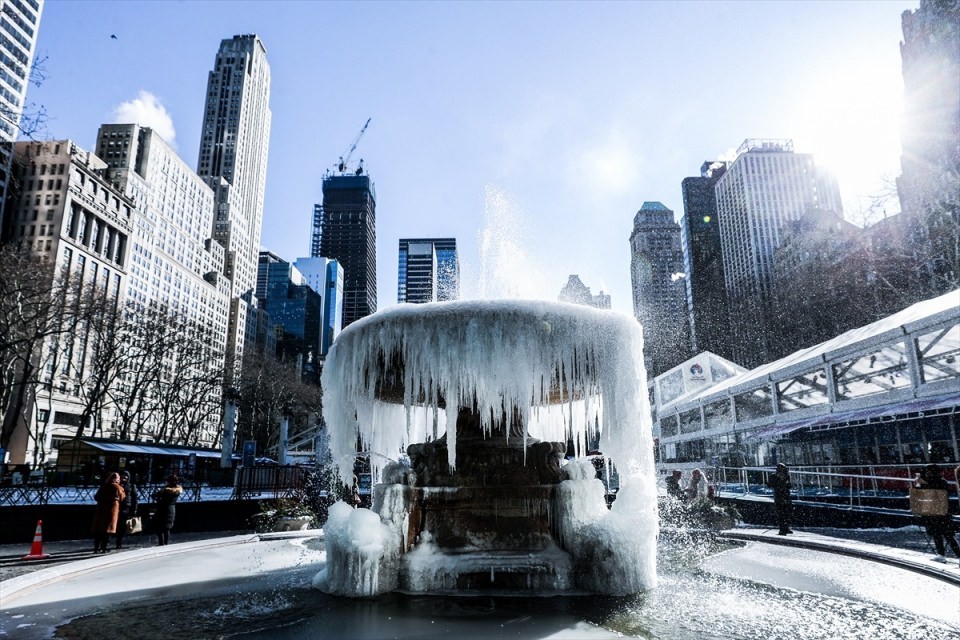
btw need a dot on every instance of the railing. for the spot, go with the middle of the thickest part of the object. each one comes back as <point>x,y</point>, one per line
<point>850,483</point>
<point>277,482</point>
<point>43,494</point>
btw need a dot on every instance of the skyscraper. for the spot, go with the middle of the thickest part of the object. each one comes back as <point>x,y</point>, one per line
<point>325,276</point>
<point>659,295</point>
<point>346,224</point>
<point>233,162</point>
<point>428,270</point>
<point>930,54</point>
<point>295,311</point>
<point>767,186</point>
<point>703,262</point>
<point>18,39</point>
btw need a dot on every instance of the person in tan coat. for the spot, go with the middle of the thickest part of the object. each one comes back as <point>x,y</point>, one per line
<point>108,498</point>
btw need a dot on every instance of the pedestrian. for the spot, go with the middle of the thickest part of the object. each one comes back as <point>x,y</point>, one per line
<point>780,483</point>
<point>673,485</point>
<point>940,527</point>
<point>355,500</point>
<point>697,487</point>
<point>128,506</point>
<point>108,497</point>
<point>166,514</point>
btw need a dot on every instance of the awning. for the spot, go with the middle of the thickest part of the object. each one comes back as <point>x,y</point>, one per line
<point>136,448</point>
<point>781,429</point>
<point>906,407</point>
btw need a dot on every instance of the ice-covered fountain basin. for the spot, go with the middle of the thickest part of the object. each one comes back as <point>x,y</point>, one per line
<point>458,386</point>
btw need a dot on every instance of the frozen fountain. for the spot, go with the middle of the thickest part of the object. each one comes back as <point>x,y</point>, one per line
<point>467,410</point>
<point>484,397</point>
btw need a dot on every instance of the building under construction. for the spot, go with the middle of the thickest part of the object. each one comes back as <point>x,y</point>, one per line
<point>345,230</point>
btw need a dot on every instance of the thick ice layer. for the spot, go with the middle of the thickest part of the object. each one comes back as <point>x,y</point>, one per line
<point>585,364</point>
<point>615,550</point>
<point>362,553</point>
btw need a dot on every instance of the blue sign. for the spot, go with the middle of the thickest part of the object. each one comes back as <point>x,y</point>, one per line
<point>249,453</point>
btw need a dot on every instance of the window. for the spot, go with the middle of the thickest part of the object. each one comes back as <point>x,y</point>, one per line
<point>754,404</point>
<point>802,391</point>
<point>668,426</point>
<point>939,352</point>
<point>690,421</point>
<point>872,373</point>
<point>717,414</point>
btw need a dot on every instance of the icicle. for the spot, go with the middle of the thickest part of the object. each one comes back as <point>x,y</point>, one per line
<point>501,355</point>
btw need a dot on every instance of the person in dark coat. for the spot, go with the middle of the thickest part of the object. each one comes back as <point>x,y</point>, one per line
<point>780,483</point>
<point>941,527</point>
<point>166,513</point>
<point>673,485</point>
<point>128,506</point>
<point>108,497</point>
<point>697,487</point>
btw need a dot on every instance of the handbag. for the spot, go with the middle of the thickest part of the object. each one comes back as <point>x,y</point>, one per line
<point>134,525</point>
<point>928,502</point>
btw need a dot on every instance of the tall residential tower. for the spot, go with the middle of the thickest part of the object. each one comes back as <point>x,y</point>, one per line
<point>19,24</point>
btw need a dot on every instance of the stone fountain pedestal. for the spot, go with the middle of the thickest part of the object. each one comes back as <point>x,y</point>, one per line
<point>485,525</point>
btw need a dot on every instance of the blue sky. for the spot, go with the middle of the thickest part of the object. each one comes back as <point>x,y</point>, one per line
<point>551,122</point>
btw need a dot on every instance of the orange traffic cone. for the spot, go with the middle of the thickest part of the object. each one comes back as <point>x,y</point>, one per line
<point>36,550</point>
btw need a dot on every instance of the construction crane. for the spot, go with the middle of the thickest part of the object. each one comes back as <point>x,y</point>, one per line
<point>345,158</point>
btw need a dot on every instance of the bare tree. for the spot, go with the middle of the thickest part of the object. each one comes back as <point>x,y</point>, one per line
<point>269,388</point>
<point>916,255</point>
<point>134,397</point>
<point>99,349</point>
<point>36,307</point>
<point>171,379</point>
<point>195,388</point>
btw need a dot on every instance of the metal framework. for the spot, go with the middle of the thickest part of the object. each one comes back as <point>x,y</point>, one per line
<point>905,365</point>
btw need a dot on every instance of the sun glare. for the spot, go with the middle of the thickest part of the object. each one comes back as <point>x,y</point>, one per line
<point>851,124</point>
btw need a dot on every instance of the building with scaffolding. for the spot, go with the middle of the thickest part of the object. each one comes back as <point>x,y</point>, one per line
<point>345,230</point>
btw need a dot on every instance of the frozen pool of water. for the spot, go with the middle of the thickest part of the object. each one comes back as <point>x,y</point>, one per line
<point>261,591</point>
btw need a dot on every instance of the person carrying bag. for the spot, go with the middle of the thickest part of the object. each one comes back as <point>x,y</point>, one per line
<point>929,502</point>
<point>128,521</point>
